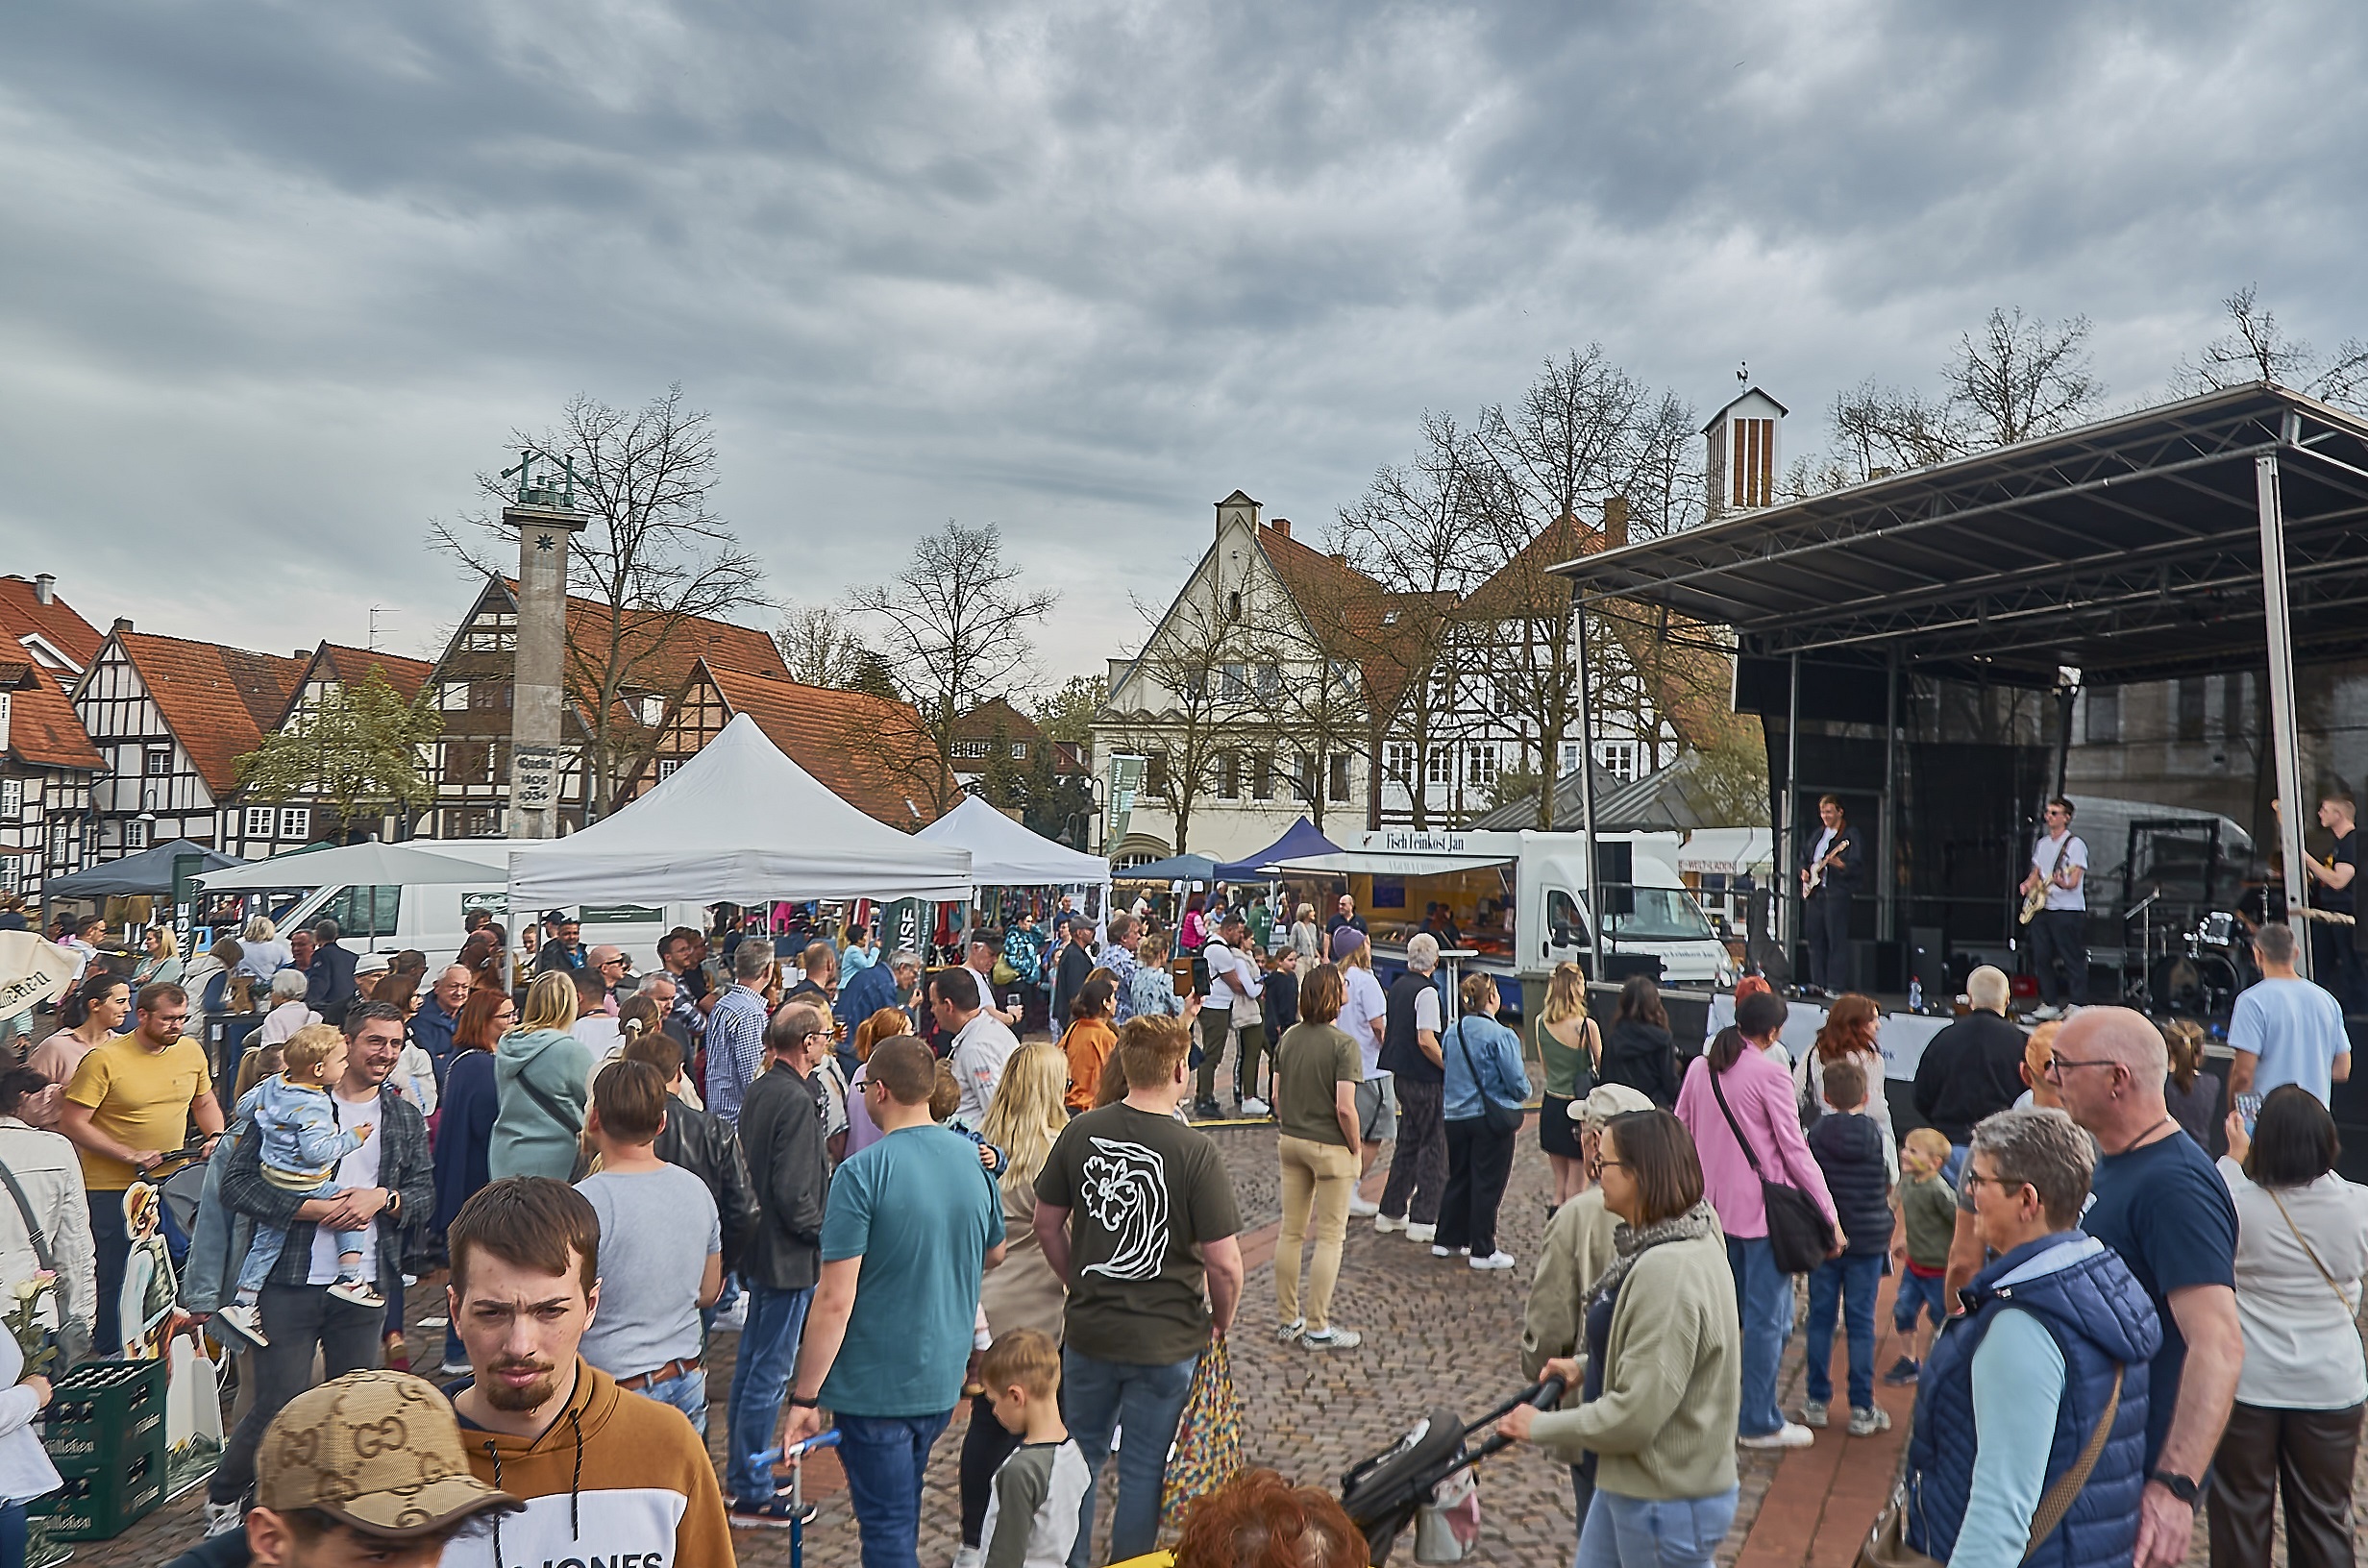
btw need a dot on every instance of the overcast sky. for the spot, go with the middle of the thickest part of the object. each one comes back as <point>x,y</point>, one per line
<point>275,281</point>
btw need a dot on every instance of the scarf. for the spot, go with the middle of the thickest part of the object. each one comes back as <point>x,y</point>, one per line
<point>1632,1242</point>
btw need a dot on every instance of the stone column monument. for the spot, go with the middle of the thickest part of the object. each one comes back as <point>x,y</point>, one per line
<point>546,519</point>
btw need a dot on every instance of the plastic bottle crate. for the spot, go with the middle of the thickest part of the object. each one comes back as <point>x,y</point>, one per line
<point>102,1411</point>
<point>106,1503</point>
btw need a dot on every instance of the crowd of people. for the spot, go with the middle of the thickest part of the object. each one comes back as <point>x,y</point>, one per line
<point>907,1213</point>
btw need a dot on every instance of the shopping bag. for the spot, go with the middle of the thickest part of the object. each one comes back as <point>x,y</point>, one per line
<point>1449,1525</point>
<point>1208,1438</point>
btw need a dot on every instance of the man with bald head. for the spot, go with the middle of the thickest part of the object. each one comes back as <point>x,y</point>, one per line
<point>2160,1205</point>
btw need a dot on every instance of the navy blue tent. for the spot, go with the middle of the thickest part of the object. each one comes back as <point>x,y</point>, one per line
<point>1300,839</point>
<point>1174,868</point>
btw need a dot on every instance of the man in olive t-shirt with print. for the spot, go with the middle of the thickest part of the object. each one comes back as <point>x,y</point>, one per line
<point>1135,1211</point>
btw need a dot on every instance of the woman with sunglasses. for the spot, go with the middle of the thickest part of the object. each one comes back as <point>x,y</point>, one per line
<point>464,1122</point>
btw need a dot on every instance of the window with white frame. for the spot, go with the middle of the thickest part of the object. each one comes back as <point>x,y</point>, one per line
<point>1440,769</point>
<point>1480,763</point>
<point>666,767</point>
<point>1269,681</point>
<point>295,822</point>
<point>1018,750</point>
<point>259,820</point>
<point>12,799</point>
<point>1569,760</point>
<point>1339,777</point>
<point>648,709</point>
<point>1619,758</point>
<point>1398,762</point>
<point>159,762</point>
<point>970,750</point>
<point>454,696</point>
<point>1232,685</point>
<point>1262,776</point>
<point>1229,776</point>
<point>61,840</point>
<point>9,881</point>
<point>136,833</point>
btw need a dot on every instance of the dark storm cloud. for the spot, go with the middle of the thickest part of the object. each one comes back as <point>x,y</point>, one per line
<point>277,280</point>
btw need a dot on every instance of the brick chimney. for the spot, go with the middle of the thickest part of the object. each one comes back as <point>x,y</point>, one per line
<point>1281,525</point>
<point>45,588</point>
<point>122,623</point>
<point>1615,522</point>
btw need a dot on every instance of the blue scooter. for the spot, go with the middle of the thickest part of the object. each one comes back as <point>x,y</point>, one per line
<point>800,1510</point>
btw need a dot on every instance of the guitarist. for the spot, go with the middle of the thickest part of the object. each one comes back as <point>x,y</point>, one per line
<point>1829,873</point>
<point>2334,955</point>
<point>2060,929</point>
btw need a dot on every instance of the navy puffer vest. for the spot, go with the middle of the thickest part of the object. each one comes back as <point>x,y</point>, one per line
<point>2100,1317</point>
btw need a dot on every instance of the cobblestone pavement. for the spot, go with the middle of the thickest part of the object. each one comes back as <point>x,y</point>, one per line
<point>1438,1333</point>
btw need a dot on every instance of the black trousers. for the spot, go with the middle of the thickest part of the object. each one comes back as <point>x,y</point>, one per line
<point>985,1446</point>
<point>2304,1456</point>
<point>113,1238</point>
<point>1825,921</point>
<point>296,1317</point>
<point>2061,935</point>
<point>1478,1164</point>
<point>1418,1164</point>
<point>2335,963</point>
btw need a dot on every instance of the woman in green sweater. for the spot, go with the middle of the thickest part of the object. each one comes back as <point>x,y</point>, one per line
<point>1660,1381</point>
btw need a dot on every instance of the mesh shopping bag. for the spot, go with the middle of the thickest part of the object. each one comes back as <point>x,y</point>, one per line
<point>1208,1437</point>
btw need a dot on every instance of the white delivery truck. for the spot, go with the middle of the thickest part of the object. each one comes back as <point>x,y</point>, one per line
<point>1519,900</point>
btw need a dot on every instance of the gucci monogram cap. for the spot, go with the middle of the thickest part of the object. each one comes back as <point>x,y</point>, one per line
<point>379,1451</point>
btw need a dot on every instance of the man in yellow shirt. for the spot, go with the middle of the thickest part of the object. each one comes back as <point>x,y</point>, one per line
<point>129,1105</point>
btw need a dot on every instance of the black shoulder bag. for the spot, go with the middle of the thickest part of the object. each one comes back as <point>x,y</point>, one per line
<point>1798,1232</point>
<point>1501,1120</point>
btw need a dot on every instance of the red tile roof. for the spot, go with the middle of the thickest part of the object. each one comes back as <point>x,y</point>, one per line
<point>22,611</point>
<point>660,653</point>
<point>43,729</point>
<point>870,752</point>
<point>219,700</point>
<point>995,713</point>
<point>353,664</point>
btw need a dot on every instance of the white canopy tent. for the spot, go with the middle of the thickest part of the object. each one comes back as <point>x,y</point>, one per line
<point>739,824</point>
<point>1003,854</point>
<point>412,862</point>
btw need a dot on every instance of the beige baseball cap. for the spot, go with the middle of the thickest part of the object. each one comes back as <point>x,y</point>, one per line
<point>379,1451</point>
<point>1608,1100</point>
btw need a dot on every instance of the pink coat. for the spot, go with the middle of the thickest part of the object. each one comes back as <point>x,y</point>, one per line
<point>1760,1094</point>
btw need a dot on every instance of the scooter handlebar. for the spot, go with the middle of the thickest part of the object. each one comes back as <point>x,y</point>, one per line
<point>772,1458</point>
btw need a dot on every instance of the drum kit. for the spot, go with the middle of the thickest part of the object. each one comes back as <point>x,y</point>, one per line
<point>2202,967</point>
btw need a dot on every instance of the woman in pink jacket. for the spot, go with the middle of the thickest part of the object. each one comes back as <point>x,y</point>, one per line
<point>1760,1094</point>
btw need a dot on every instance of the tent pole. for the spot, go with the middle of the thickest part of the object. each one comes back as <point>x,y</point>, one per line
<point>2285,742</point>
<point>1787,913</point>
<point>1886,891</point>
<point>1587,800</point>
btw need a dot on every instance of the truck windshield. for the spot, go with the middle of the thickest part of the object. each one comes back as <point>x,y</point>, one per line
<point>1659,915</point>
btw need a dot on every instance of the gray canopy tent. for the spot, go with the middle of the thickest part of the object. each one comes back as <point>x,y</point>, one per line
<point>149,872</point>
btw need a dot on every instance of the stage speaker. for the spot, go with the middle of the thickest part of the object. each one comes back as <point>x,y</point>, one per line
<point>1928,964</point>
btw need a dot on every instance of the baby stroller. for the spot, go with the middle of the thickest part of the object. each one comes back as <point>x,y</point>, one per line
<point>1384,1494</point>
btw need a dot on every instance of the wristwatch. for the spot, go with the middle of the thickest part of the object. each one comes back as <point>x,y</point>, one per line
<point>2178,1485</point>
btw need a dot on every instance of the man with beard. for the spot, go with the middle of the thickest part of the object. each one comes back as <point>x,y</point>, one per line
<point>605,1474</point>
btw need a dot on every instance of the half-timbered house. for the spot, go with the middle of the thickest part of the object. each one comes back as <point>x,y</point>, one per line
<point>253,828</point>
<point>46,760</point>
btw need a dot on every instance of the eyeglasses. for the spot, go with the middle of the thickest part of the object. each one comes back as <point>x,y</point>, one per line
<point>2053,1071</point>
<point>1971,1179</point>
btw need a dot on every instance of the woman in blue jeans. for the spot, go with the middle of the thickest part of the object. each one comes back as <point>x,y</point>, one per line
<point>1657,1390</point>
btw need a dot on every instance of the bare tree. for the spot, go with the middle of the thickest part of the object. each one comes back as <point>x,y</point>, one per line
<point>953,624</point>
<point>1413,532</point>
<point>2021,378</point>
<point>1184,719</point>
<point>819,646</point>
<point>653,560</point>
<point>2255,349</point>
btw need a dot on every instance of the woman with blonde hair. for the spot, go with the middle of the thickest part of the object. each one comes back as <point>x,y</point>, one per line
<point>262,953</point>
<point>1569,1046</point>
<point>163,960</point>
<point>1848,1034</point>
<point>1317,1070</point>
<point>541,1071</point>
<point>885,1024</point>
<point>1023,1120</point>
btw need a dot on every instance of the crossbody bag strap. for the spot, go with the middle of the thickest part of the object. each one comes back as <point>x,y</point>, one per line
<point>2066,1491</point>
<point>2325,1273</point>
<point>1463,1048</point>
<point>1733,1126</point>
<point>47,1259</point>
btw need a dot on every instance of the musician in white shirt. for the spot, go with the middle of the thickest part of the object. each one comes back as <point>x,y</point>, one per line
<point>2060,930</point>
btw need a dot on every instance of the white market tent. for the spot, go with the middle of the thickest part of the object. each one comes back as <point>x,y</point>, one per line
<point>737,824</point>
<point>1003,854</point>
<point>412,862</point>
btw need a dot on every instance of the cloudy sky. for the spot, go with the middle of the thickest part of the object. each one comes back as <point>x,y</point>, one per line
<point>277,281</point>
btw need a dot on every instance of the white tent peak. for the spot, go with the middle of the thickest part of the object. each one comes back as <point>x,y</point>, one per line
<point>739,822</point>
<point>1005,854</point>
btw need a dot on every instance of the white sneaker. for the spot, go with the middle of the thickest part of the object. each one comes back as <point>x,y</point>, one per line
<point>1384,1224</point>
<point>1494,1260</point>
<point>1362,1207</point>
<point>221,1518</point>
<point>969,1557</point>
<point>1420,1232</point>
<point>1254,1106</point>
<point>358,1293</point>
<point>1332,1340</point>
<point>1438,1251</point>
<point>247,1324</point>
<point>1291,1329</point>
<point>1791,1434</point>
<point>2047,1013</point>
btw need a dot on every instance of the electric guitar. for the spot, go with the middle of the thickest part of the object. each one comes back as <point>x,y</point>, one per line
<point>1816,873</point>
<point>2035,899</point>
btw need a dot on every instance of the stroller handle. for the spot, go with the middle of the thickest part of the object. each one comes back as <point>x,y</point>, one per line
<point>1543,1395</point>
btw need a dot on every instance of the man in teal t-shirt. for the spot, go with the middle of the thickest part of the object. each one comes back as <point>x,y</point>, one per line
<point>889,1335</point>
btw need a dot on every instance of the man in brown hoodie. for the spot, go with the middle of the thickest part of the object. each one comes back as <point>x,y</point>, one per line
<point>606,1474</point>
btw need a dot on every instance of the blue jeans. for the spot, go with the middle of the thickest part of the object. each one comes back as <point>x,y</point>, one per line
<point>687,1393</point>
<point>1763,1303</point>
<point>1916,1290</point>
<point>759,1376</point>
<point>13,1535</point>
<point>1099,1397</point>
<point>1638,1532</point>
<point>884,1457</point>
<point>1849,1282</point>
<point>270,1240</point>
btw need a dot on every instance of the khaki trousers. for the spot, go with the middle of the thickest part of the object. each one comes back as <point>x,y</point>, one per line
<point>1322,1177</point>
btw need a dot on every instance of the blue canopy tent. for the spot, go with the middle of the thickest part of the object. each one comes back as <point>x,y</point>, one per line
<point>1174,868</point>
<point>1302,838</point>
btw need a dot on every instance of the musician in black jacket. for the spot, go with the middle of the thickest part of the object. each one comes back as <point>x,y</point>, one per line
<point>1829,865</point>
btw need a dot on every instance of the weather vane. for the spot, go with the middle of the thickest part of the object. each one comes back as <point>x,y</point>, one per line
<point>533,491</point>
<point>1742,374</point>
